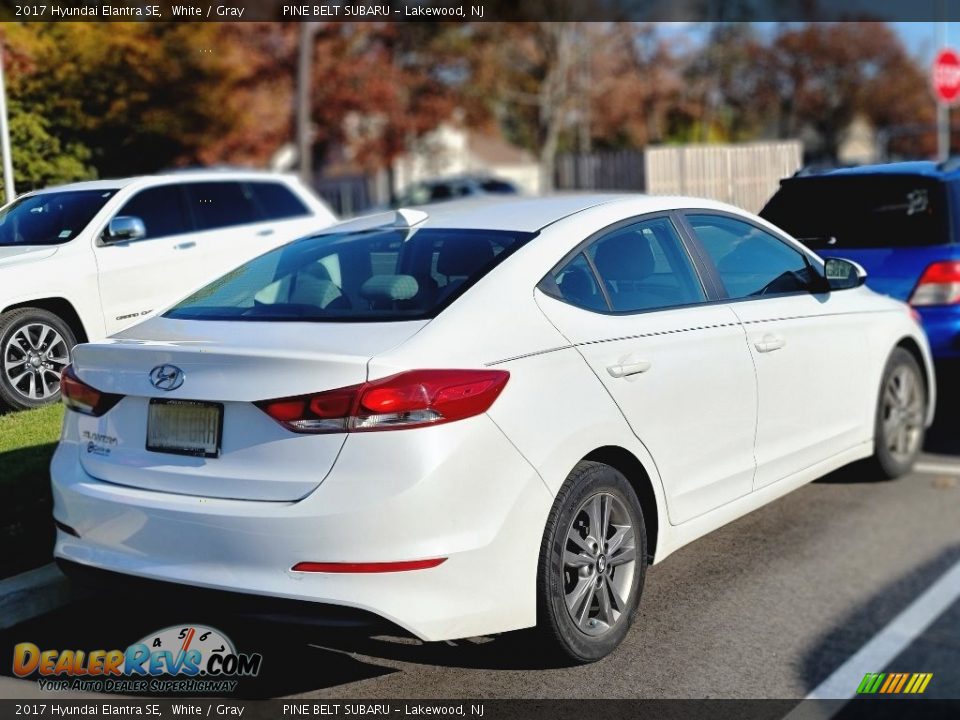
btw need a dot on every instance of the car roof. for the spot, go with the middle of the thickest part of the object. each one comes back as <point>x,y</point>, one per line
<point>948,170</point>
<point>191,175</point>
<point>519,213</point>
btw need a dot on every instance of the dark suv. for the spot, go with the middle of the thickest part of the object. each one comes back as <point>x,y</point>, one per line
<point>901,221</point>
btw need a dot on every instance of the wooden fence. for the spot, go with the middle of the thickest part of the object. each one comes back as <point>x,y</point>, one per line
<point>745,175</point>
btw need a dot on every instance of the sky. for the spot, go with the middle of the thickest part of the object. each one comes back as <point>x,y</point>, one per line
<point>921,37</point>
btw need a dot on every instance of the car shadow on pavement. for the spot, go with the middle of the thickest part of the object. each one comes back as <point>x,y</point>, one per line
<point>943,437</point>
<point>297,658</point>
<point>853,631</point>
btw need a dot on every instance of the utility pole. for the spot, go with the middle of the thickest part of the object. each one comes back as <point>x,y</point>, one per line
<point>943,109</point>
<point>9,191</point>
<point>304,76</point>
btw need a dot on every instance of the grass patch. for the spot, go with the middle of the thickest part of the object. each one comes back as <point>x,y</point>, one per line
<point>27,441</point>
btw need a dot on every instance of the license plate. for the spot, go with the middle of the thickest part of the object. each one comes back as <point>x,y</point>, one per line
<point>184,427</point>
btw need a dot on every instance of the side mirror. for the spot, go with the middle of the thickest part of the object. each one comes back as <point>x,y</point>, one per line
<point>124,228</point>
<point>843,274</point>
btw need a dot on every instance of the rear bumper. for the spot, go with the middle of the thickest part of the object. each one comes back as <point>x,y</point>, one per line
<point>157,593</point>
<point>459,491</point>
<point>942,325</point>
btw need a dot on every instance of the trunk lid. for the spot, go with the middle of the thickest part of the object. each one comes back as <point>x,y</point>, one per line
<point>228,365</point>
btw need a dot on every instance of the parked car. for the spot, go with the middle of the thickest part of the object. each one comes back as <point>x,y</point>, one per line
<point>900,221</point>
<point>484,417</point>
<point>80,262</point>
<point>453,188</point>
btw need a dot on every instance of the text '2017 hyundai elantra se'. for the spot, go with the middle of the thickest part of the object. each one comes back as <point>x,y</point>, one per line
<point>482,417</point>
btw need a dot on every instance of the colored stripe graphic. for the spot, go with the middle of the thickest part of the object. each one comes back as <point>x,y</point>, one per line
<point>894,683</point>
<point>903,680</point>
<point>870,683</point>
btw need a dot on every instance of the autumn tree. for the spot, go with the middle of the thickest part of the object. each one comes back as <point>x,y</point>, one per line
<point>635,86</point>
<point>377,87</point>
<point>530,75</point>
<point>728,89</point>
<point>827,74</point>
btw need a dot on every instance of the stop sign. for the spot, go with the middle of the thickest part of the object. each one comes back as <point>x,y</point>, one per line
<point>946,76</point>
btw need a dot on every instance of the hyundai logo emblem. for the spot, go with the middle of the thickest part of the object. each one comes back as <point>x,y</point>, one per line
<point>166,377</point>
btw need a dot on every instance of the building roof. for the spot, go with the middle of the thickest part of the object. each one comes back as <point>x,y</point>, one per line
<point>494,150</point>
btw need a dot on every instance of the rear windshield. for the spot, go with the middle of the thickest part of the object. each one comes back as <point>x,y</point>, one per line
<point>381,274</point>
<point>862,211</point>
<point>50,218</point>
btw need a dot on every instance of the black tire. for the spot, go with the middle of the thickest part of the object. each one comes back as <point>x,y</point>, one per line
<point>592,638</point>
<point>13,349</point>
<point>887,461</point>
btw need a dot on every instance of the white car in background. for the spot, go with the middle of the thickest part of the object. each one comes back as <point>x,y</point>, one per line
<point>82,261</point>
<point>485,417</point>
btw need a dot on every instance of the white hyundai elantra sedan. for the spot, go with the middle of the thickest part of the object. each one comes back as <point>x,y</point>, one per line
<point>487,416</point>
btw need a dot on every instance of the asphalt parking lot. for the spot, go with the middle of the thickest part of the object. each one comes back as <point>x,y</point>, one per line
<point>771,606</point>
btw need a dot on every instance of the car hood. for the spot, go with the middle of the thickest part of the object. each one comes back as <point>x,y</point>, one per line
<point>21,254</point>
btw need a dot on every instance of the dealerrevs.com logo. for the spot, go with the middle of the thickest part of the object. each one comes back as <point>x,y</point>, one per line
<point>181,658</point>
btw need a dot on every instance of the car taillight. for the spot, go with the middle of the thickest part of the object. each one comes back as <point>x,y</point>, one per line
<point>939,285</point>
<point>81,398</point>
<point>410,399</point>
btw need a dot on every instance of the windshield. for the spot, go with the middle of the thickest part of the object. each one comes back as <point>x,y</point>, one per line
<point>381,274</point>
<point>862,211</point>
<point>50,218</point>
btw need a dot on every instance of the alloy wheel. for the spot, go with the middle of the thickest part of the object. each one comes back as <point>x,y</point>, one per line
<point>599,562</point>
<point>34,359</point>
<point>903,413</point>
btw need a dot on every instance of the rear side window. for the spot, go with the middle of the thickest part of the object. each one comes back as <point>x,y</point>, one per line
<point>276,201</point>
<point>751,262</point>
<point>640,267</point>
<point>374,275</point>
<point>161,209</point>
<point>221,204</point>
<point>645,267</point>
<point>578,285</point>
<point>862,211</point>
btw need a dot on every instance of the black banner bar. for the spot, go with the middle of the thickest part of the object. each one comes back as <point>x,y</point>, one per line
<point>479,10</point>
<point>303,709</point>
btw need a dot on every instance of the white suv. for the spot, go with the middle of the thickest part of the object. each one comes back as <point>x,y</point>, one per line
<point>80,262</point>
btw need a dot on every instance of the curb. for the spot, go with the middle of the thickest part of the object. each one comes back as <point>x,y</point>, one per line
<point>32,594</point>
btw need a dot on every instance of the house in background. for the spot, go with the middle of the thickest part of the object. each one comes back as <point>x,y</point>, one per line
<point>455,150</point>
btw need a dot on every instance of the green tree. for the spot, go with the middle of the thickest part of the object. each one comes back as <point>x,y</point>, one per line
<point>39,158</point>
<point>139,96</point>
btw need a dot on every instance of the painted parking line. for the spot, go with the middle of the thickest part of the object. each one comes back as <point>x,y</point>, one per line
<point>937,468</point>
<point>883,648</point>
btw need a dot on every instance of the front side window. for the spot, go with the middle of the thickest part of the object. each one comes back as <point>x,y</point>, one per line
<point>221,204</point>
<point>750,261</point>
<point>381,274</point>
<point>161,209</point>
<point>50,218</point>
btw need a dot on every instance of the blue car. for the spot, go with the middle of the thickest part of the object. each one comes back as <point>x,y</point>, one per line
<point>901,221</point>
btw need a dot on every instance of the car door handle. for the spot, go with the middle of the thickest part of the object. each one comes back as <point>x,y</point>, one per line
<point>769,343</point>
<point>619,371</point>
<point>264,233</point>
<point>185,245</point>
